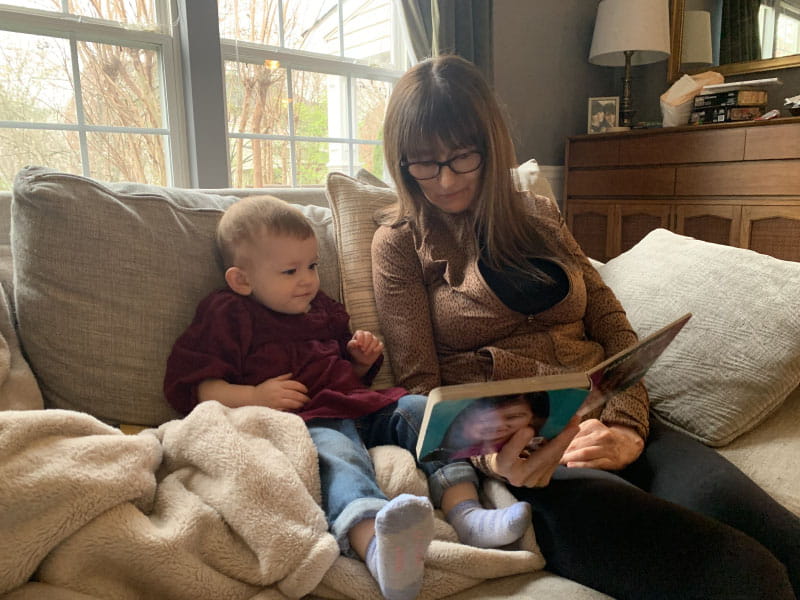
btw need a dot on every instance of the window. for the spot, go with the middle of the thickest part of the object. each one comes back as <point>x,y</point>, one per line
<point>779,27</point>
<point>83,89</point>
<point>96,87</point>
<point>306,86</point>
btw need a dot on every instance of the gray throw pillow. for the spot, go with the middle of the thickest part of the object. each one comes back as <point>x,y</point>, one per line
<point>739,356</point>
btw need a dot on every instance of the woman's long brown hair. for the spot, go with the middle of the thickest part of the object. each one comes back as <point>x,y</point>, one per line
<point>443,104</point>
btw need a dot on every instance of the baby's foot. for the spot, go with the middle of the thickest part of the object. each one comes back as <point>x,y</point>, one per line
<point>395,556</point>
<point>489,528</point>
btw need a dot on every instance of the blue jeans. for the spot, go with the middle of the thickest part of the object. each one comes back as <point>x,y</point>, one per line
<point>349,491</point>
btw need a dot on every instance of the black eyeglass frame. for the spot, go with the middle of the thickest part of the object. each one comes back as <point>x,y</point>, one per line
<point>439,164</point>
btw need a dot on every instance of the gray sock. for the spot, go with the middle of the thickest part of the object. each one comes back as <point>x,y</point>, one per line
<point>395,556</point>
<point>489,528</point>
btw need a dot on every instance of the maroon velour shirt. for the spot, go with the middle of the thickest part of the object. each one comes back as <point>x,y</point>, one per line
<point>235,338</point>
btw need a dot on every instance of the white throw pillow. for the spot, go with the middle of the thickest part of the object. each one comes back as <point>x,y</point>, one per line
<point>739,356</point>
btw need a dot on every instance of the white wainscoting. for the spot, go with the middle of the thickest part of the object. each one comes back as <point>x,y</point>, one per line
<point>555,176</point>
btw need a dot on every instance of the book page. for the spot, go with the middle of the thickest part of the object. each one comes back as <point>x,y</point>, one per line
<point>476,426</point>
<point>629,366</point>
<point>479,418</point>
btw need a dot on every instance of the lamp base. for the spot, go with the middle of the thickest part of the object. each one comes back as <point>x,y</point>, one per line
<point>627,112</point>
<point>626,117</point>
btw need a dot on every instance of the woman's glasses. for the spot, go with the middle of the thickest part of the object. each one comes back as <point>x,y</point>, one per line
<point>428,169</point>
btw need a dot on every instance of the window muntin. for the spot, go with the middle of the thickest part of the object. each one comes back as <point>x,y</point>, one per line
<point>141,13</point>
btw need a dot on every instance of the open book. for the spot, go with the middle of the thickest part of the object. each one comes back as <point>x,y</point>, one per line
<point>478,418</point>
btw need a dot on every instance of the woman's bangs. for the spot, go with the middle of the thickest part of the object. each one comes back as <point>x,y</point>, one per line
<point>441,126</point>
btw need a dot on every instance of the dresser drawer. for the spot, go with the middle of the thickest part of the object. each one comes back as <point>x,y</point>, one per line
<point>755,178</point>
<point>594,153</point>
<point>683,147</point>
<point>652,181</point>
<point>780,141</point>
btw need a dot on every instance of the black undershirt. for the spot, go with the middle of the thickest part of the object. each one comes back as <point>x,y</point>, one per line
<point>524,294</point>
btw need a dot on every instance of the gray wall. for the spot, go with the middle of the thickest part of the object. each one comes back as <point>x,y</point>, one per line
<point>542,72</point>
<point>543,76</point>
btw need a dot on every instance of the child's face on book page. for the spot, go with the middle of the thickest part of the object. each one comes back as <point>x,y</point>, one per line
<point>497,424</point>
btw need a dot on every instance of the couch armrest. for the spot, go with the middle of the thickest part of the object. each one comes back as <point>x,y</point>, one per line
<point>18,387</point>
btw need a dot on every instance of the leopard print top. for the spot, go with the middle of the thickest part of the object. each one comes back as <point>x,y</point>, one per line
<point>443,324</point>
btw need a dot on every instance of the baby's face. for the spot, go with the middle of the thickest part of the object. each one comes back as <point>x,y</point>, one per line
<point>497,425</point>
<point>282,271</point>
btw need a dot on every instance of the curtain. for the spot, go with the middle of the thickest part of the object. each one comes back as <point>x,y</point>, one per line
<point>419,22</point>
<point>739,38</point>
<point>462,27</point>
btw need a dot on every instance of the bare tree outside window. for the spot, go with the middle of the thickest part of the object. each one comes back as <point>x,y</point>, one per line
<point>108,124</point>
<point>289,124</point>
<point>306,86</point>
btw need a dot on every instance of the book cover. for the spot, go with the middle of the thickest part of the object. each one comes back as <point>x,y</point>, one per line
<point>478,418</point>
<point>741,85</point>
<point>731,98</point>
<point>725,114</point>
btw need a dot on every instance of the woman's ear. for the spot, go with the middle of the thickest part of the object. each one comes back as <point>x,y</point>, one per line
<point>237,280</point>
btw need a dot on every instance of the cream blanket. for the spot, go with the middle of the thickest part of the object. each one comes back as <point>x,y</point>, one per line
<point>221,504</point>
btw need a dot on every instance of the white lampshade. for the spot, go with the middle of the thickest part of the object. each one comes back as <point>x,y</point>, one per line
<point>638,25</point>
<point>696,47</point>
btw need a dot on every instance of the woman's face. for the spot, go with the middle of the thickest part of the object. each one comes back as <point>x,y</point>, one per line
<point>449,191</point>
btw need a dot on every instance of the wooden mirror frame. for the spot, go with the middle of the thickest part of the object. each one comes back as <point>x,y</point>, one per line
<point>752,66</point>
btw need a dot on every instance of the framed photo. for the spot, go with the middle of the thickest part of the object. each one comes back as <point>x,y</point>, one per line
<point>603,114</point>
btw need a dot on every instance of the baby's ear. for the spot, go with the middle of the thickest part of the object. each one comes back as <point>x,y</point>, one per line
<point>237,280</point>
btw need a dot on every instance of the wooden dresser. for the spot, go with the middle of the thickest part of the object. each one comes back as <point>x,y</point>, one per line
<point>732,183</point>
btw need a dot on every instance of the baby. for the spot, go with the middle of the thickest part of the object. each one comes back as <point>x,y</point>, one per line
<point>272,338</point>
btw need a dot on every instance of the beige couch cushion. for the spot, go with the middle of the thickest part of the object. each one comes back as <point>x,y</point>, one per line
<point>768,454</point>
<point>105,279</point>
<point>354,203</point>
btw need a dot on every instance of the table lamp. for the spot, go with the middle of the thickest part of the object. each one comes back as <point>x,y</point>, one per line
<point>696,48</point>
<point>630,32</point>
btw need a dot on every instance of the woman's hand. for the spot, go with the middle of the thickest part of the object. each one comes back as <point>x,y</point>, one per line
<point>599,446</point>
<point>537,469</point>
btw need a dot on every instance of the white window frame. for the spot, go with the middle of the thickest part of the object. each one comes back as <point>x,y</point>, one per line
<point>249,52</point>
<point>769,16</point>
<point>72,29</point>
<point>194,98</point>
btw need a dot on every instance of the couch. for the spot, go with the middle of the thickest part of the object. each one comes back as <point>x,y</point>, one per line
<point>106,493</point>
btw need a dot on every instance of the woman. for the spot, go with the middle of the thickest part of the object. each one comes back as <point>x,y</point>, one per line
<point>475,281</point>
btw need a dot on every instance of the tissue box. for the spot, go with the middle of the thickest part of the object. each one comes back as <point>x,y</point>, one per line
<point>674,116</point>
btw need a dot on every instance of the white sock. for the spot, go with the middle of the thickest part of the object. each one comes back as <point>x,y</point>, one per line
<point>395,556</point>
<point>489,528</point>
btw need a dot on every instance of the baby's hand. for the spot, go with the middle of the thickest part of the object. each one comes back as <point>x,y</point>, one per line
<point>364,348</point>
<point>281,393</point>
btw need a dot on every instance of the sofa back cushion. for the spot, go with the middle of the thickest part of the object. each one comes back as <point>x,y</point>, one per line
<point>106,276</point>
<point>355,202</point>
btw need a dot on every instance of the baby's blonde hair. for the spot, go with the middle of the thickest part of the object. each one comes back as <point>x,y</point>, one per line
<point>244,220</point>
